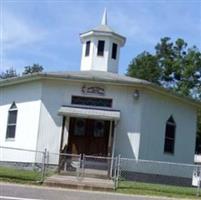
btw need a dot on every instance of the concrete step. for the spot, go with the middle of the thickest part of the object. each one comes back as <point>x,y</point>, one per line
<point>80,182</point>
<point>93,173</point>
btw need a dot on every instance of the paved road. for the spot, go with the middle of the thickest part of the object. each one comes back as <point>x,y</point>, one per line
<point>24,192</point>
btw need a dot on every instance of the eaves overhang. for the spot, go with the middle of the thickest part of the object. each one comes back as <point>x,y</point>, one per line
<point>145,85</point>
<point>116,36</point>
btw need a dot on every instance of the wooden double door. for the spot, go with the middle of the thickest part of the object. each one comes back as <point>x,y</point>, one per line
<point>88,136</point>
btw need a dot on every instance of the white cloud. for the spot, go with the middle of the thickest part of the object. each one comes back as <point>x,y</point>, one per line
<point>147,23</point>
<point>12,63</point>
<point>134,27</point>
<point>18,32</point>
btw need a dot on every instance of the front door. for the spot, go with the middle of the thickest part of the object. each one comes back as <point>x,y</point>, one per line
<point>88,136</point>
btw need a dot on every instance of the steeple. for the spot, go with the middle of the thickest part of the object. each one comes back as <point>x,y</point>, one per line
<point>101,48</point>
<point>104,18</point>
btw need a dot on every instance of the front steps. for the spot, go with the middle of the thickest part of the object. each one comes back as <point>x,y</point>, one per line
<point>91,173</point>
<point>80,182</point>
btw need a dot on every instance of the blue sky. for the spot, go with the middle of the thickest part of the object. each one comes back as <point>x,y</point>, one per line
<point>47,32</point>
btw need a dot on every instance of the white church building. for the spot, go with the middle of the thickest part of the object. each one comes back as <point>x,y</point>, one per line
<point>96,111</point>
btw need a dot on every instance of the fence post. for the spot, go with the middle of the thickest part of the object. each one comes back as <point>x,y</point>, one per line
<point>79,165</point>
<point>118,170</point>
<point>115,172</point>
<point>43,165</point>
<point>83,163</point>
<point>112,168</point>
<point>199,182</point>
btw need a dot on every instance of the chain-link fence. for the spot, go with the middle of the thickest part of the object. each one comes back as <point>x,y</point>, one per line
<point>168,173</point>
<point>82,165</point>
<point>23,165</point>
<point>34,166</point>
<point>20,164</point>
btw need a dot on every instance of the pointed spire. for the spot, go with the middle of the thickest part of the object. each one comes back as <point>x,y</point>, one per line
<point>104,18</point>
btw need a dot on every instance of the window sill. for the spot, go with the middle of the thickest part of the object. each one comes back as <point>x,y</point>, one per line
<point>10,139</point>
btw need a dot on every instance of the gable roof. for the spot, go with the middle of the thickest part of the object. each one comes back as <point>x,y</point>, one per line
<point>99,77</point>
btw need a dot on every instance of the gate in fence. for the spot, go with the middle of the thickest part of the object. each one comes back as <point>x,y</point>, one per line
<point>90,166</point>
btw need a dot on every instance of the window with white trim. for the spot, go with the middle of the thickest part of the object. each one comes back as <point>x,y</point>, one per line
<point>87,50</point>
<point>12,121</point>
<point>114,51</point>
<point>101,46</point>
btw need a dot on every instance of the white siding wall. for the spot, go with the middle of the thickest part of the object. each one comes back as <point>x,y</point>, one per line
<point>128,128</point>
<point>27,98</point>
<point>140,131</point>
<point>156,111</point>
<point>100,63</point>
<point>56,94</point>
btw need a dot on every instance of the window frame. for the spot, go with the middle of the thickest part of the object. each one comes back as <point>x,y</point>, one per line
<point>99,133</point>
<point>87,48</point>
<point>114,51</point>
<point>170,123</point>
<point>99,52</point>
<point>13,108</point>
<point>82,131</point>
<point>83,101</point>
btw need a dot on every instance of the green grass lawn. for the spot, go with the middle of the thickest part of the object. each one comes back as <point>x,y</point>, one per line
<point>128,187</point>
<point>19,175</point>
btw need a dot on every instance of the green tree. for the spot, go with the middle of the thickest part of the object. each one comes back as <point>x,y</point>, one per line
<point>144,64</point>
<point>181,67</point>
<point>9,73</point>
<point>32,69</point>
<point>173,65</point>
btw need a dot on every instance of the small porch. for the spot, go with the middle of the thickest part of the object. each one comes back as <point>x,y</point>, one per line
<point>87,141</point>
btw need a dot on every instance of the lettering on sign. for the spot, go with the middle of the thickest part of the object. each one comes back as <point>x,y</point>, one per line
<point>93,90</point>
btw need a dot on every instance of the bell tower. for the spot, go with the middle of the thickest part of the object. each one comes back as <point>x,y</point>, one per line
<point>101,48</point>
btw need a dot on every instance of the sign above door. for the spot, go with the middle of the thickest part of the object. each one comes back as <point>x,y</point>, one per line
<point>93,90</point>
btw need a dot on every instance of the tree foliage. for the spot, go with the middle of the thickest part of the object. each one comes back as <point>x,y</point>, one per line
<point>144,64</point>
<point>9,73</point>
<point>173,65</point>
<point>32,69</point>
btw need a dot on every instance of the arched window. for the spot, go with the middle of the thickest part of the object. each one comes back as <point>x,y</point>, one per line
<point>170,135</point>
<point>12,120</point>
